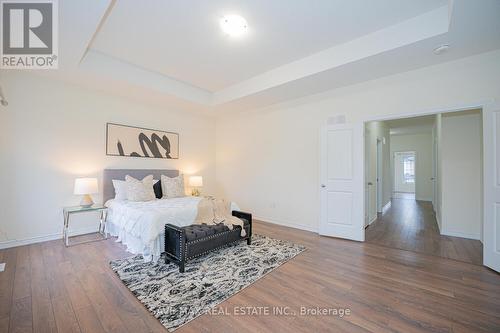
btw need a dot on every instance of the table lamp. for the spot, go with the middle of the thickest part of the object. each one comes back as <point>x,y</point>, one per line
<point>195,182</point>
<point>86,187</point>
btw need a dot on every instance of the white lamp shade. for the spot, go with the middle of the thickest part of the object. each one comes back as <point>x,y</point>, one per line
<point>85,186</point>
<point>196,181</point>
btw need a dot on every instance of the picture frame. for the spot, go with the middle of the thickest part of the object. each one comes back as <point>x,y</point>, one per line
<point>132,141</point>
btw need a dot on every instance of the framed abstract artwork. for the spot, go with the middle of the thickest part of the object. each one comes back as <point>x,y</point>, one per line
<point>123,140</point>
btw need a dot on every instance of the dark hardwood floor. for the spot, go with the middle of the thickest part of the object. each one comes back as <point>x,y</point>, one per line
<point>49,288</point>
<point>411,225</point>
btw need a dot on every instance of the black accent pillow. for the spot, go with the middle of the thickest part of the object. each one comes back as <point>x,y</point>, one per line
<point>157,189</point>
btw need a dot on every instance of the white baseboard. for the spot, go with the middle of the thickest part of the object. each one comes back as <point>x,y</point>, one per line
<point>423,199</point>
<point>372,220</point>
<point>460,234</point>
<point>46,238</point>
<point>438,222</point>
<point>386,207</point>
<point>286,224</point>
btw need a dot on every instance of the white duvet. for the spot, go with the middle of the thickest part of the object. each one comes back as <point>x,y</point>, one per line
<point>140,225</point>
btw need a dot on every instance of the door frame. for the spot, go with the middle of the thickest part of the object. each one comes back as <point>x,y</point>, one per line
<point>483,105</point>
<point>491,194</point>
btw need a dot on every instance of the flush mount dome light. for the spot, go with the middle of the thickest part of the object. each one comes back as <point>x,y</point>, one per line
<point>233,25</point>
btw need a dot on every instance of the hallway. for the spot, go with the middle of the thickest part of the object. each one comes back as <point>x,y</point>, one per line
<point>411,225</point>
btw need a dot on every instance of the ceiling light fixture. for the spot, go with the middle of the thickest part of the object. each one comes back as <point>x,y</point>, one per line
<point>441,49</point>
<point>233,25</point>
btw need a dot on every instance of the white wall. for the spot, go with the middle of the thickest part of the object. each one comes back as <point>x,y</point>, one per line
<point>268,160</point>
<point>52,132</point>
<point>462,175</point>
<point>421,144</point>
<point>377,130</point>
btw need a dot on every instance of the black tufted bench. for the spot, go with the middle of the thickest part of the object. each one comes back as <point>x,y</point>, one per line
<point>185,243</point>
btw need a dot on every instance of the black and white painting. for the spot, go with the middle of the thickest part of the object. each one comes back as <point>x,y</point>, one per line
<point>122,140</point>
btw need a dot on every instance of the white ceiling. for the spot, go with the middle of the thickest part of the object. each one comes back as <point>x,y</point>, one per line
<point>182,39</point>
<point>172,53</point>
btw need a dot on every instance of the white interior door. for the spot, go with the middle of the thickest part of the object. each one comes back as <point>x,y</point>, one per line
<point>367,182</point>
<point>380,175</point>
<point>491,146</point>
<point>434,171</point>
<point>341,172</point>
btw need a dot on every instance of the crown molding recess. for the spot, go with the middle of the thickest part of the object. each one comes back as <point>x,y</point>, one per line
<point>88,16</point>
<point>425,26</point>
<point>109,67</point>
<point>421,27</point>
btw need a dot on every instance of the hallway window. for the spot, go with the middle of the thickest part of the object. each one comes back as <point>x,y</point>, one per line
<point>409,169</point>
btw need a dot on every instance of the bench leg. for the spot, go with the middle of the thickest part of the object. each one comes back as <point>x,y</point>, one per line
<point>181,267</point>
<point>249,241</point>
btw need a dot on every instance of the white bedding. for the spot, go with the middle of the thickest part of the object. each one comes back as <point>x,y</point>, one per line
<point>140,225</point>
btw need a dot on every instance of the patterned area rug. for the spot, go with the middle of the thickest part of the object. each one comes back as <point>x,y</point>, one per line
<point>177,298</point>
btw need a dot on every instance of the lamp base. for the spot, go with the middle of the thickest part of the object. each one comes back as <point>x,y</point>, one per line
<point>195,192</point>
<point>86,201</point>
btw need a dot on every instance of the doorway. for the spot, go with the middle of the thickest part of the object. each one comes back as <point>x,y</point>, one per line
<point>420,211</point>
<point>343,182</point>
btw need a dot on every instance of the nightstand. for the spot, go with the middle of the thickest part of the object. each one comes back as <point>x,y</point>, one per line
<point>68,211</point>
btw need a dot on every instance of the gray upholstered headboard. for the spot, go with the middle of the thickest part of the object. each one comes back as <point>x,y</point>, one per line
<point>108,191</point>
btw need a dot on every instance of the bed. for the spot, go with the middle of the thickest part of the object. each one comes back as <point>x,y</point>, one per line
<point>140,226</point>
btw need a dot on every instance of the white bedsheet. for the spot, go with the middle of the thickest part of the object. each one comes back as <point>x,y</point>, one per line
<point>140,225</point>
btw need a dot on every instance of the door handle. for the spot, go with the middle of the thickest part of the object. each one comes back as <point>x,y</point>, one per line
<point>323,185</point>
<point>370,183</point>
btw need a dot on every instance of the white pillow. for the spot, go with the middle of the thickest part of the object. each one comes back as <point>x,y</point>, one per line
<point>138,190</point>
<point>172,187</point>
<point>120,189</point>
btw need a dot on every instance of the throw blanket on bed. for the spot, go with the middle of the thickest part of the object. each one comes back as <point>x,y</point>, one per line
<point>214,211</point>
